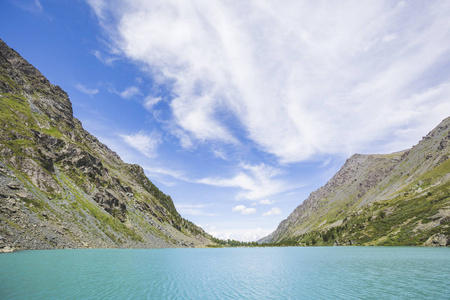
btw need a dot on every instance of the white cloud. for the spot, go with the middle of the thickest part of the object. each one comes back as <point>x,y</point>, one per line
<point>244,210</point>
<point>146,143</point>
<point>193,212</point>
<point>150,101</point>
<point>85,90</point>
<point>98,6</point>
<point>193,209</point>
<point>263,202</point>
<point>248,211</point>
<point>129,92</point>
<point>389,37</point>
<point>247,234</point>
<point>165,171</point>
<point>300,78</point>
<point>256,181</point>
<point>266,202</point>
<point>273,211</point>
<point>198,119</point>
<point>239,208</point>
<point>219,153</point>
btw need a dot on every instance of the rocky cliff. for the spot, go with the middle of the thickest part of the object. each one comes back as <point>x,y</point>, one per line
<point>61,188</point>
<point>401,198</point>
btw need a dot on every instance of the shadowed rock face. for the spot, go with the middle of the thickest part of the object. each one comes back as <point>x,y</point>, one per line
<point>111,204</point>
<point>404,189</point>
<point>60,187</point>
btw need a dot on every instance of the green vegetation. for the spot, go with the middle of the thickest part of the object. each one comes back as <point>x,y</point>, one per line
<point>105,220</point>
<point>68,166</point>
<point>232,243</point>
<point>33,202</point>
<point>395,222</point>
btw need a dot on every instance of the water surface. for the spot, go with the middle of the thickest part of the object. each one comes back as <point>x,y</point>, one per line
<point>229,273</point>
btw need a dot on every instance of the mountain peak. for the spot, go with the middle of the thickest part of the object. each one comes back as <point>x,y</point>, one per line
<point>405,189</point>
<point>60,187</point>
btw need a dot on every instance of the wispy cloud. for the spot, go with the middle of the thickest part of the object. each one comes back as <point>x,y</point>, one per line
<point>256,181</point>
<point>193,209</point>
<point>85,90</point>
<point>130,92</point>
<point>244,210</point>
<point>151,101</point>
<point>146,143</point>
<point>33,6</point>
<point>300,78</point>
<point>266,202</point>
<point>165,171</point>
<point>185,139</point>
<point>219,153</point>
<point>273,211</point>
<point>104,58</point>
<point>38,5</point>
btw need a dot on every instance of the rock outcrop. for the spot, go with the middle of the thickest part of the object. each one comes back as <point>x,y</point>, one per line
<point>61,188</point>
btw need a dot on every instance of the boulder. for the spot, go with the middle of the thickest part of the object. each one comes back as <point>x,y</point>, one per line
<point>13,185</point>
<point>437,240</point>
<point>7,249</point>
<point>22,195</point>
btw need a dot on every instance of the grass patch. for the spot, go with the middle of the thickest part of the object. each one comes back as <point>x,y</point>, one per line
<point>33,202</point>
<point>106,221</point>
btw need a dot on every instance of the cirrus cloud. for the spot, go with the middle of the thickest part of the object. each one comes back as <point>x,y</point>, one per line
<point>299,78</point>
<point>130,92</point>
<point>256,181</point>
<point>85,90</point>
<point>145,143</point>
<point>193,209</point>
<point>33,6</point>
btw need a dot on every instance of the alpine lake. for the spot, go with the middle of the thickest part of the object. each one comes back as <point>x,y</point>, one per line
<point>228,273</point>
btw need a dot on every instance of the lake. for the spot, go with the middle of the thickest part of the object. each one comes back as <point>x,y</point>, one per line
<point>228,273</point>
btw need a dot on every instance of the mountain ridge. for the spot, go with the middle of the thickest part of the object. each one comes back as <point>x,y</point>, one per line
<point>60,187</point>
<point>377,186</point>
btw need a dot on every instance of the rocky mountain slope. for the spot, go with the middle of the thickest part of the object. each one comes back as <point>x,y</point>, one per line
<point>61,188</point>
<point>401,198</point>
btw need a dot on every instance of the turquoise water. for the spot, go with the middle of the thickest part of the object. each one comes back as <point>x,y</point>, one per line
<point>230,273</point>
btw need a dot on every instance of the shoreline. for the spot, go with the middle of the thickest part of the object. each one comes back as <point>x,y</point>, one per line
<point>8,249</point>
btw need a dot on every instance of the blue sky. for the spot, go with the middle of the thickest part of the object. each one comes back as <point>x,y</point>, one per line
<point>239,110</point>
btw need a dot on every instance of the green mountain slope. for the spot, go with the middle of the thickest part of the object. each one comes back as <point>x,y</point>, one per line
<point>61,188</point>
<point>401,198</point>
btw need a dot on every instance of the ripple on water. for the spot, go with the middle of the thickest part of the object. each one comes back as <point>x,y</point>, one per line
<point>244,273</point>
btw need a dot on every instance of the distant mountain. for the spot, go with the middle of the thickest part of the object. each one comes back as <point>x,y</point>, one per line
<point>61,188</point>
<point>401,198</point>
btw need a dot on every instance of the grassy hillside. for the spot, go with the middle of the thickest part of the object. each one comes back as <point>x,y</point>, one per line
<point>401,198</point>
<point>61,188</point>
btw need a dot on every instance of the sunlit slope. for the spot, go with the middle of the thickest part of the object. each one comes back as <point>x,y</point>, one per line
<point>401,198</point>
<point>60,187</point>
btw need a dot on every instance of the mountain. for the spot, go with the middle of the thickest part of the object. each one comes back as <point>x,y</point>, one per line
<point>62,188</point>
<point>401,198</point>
